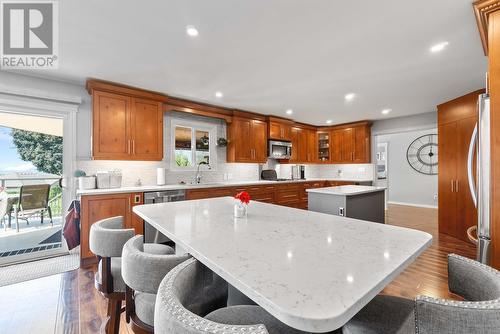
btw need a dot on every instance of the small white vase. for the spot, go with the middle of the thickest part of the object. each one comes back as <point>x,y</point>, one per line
<point>240,210</point>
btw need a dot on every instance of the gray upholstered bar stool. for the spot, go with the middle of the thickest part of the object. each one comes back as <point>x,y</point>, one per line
<point>191,300</point>
<point>142,273</point>
<point>106,240</point>
<point>478,284</point>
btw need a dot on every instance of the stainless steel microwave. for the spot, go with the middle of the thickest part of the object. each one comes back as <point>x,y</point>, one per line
<point>280,149</point>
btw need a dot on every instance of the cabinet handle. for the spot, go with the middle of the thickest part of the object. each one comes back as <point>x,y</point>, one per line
<point>128,146</point>
<point>133,146</point>
<point>452,186</point>
<point>457,187</point>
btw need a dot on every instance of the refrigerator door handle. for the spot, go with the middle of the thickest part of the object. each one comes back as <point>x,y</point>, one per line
<point>470,234</point>
<point>470,169</point>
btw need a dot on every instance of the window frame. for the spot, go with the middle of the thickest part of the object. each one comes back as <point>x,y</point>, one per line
<point>194,126</point>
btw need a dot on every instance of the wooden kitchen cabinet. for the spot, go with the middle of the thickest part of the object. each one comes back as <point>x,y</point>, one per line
<point>247,140</point>
<point>127,123</point>
<point>456,121</point>
<point>351,144</point>
<point>323,146</point>
<point>97,207</point>
<point>311,146</point>
<point>280,129</point>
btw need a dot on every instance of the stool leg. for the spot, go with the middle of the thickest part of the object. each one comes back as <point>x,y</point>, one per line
<point>113,319</point>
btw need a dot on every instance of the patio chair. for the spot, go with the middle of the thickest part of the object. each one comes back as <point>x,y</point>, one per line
<point>4,203</point>
<point>33,199</point>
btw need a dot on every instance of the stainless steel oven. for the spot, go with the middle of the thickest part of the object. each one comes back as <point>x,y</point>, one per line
<point>280,149</point>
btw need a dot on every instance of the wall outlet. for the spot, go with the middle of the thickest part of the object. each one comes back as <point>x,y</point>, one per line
<point>435,197</point>
<point>341,212</point>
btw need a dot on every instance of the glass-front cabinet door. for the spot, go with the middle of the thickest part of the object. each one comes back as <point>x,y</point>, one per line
<point>323,146</point>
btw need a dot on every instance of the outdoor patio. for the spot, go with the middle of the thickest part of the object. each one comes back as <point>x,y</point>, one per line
<point>30,238</point>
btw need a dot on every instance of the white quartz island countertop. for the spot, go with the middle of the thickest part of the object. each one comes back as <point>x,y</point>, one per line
<point>310,270</point>
<point>346,190</point>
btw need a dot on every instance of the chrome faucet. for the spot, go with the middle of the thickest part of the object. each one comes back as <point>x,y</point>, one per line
<point>197,178</point>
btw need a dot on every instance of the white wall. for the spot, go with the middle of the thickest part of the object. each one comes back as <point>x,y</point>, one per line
<point>405,185</point>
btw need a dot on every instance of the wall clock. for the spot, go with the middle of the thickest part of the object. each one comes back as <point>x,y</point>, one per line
<point>422,154</point>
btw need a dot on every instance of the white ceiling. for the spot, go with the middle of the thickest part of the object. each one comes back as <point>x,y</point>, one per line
<point>271,55</point>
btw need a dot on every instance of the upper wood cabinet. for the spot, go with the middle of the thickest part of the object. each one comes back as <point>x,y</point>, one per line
<point>127,123</point>
<point>351,144</point>
<point>323,146</point>
<point>280,129</point>
<point>247,140</point>
<point>303,145</point>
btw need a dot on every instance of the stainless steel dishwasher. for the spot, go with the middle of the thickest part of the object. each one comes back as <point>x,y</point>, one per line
<point>150,233</point>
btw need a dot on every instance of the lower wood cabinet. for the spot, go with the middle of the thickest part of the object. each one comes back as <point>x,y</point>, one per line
<point>97,207</point>
<point>286,194</point>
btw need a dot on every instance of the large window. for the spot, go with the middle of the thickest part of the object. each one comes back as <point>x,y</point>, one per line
<point>192,143</point>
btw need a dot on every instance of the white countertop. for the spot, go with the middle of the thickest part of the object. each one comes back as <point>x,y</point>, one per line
<point>346,190</point>
<point>310,270</point>
<point>139,189</point>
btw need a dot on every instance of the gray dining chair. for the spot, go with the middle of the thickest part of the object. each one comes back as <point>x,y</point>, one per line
<point>477,283</point>
<point>142,273</point>
<point>106,240</point>
<point>191,299</point>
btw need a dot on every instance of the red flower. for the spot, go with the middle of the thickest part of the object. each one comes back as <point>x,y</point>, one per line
<point>243,196</point>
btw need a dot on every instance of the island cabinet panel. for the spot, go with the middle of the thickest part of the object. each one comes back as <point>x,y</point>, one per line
<point>97,207</point>
<point>127,123</point>
<point>247,140</point>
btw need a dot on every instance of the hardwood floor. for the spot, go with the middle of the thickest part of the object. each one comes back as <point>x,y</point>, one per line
<point>68,303</point>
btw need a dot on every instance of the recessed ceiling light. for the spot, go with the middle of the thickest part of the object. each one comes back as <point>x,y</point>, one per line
<point>192,31</point>
<point>386,111</point>
<point>218,95</point>
<point>329,121</point>
<point>350,96</point>
<point>289,111</point>
<point>439,47</point>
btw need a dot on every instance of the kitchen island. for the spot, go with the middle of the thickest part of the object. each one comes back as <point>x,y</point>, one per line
<point>310,270</point>
<point>360,202</point>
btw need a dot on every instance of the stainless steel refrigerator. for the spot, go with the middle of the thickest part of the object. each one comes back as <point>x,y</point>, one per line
<point>480,186</point>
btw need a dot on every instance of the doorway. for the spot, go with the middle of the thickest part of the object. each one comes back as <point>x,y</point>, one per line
<point>33,197</point>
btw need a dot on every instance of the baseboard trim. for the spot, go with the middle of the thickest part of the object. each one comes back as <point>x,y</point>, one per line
<point>414,204</point>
